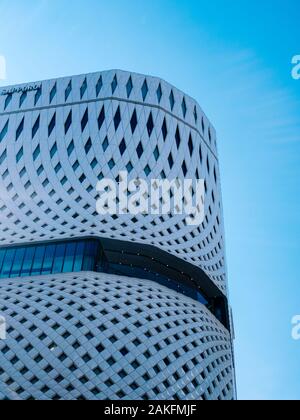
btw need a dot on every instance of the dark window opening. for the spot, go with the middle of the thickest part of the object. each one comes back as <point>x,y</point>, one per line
<point>117,118</point>
<point>129,87</point>
<point>133,122</point>
<point>51,125</point>
<point>68,122</point>
<point>84,120</point>
<point>164,129</point>
<point>101,118</point>
<point>150,124</point>
<point>20,129</point>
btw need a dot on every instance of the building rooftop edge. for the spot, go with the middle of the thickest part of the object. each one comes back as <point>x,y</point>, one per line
<point>113,70</point>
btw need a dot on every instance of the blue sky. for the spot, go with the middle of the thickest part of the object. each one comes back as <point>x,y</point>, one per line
<point>235,59</point>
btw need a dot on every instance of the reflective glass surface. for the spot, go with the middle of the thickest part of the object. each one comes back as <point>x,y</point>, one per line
<point>89,255</point>
<point>62,257</point>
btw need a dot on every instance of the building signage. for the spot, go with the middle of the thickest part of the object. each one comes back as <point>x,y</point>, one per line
<point>21,89</point>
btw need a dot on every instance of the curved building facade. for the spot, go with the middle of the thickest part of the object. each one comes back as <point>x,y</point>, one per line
<point>109,306</point>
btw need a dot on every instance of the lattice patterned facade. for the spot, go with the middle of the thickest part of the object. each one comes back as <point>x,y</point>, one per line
<point>57,140</point>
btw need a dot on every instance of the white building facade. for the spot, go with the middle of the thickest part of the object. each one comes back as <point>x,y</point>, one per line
<point>109,306</point>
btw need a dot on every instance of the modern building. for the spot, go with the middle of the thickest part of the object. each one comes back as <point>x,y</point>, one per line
<point>113,306</point>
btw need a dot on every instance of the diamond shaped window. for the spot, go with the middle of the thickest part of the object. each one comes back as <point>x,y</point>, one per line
<point>122,147</point>
<point>178,138</point>
<point>140,150</point>
<point>191,146</point>
<point>164,129</point>
<point>53,93</point>
<point>101,118</point>
<point>195,115</point>
<point>133,122</point>
<point>4,131</point>
<point>68,122</point>
<point>105,144</point>
<point>184,108</point>
<point>147,170</point>
<point>145,90</point>
<point>99,85</point>
<point>184,168</point>
<point>129,87</point>
<point>117,118</point>
<point>150,124</point>
<point>35,127</point>
<point>171,161</point>
<point>51,125</point>
<point>172,100</point>
<point>84,120</point>
<point>111,164</point>
<point>68,90</point>
<point>83,88</point>
<point>22,98</point>
<point>129,167</point>
<point>159,93</point>
<point>114,84</point>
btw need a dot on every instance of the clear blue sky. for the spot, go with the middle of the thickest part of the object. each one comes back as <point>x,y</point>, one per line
<point>235,58</point>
